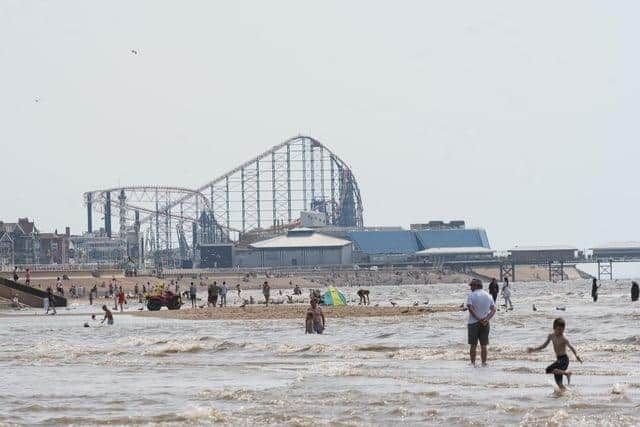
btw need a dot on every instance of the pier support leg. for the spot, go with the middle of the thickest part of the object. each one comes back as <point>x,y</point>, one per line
<point>508,270</point>
<point>605,269</point>
<point>556,271</point>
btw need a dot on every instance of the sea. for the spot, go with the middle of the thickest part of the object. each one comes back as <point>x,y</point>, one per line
<point>362,371</point>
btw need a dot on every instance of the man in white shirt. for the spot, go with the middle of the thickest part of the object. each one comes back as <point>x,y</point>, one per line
<point>481,310</point>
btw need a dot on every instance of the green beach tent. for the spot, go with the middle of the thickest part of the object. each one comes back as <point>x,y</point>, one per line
<point>334,297</point>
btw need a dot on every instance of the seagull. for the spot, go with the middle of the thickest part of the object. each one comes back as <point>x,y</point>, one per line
<point>415,304</point>
<point>426,302</point>
<point>133,51</point>
<point>37,100</point>
<point>393,303</point>
<point>561,308</point>
<point>534,308</point>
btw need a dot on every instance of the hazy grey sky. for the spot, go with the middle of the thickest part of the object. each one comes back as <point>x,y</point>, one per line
<point>520,117</point>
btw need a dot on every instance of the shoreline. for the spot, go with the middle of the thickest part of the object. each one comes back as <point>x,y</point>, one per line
<point>281,312</point>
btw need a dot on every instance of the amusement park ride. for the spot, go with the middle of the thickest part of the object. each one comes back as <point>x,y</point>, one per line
<point>261,196</point>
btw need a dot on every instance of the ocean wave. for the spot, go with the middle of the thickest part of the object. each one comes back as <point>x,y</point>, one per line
<point>313,348</point>
<point>196,414</point>
<point>176,347</point>
<point>228,395</point>
<point>376,347</point>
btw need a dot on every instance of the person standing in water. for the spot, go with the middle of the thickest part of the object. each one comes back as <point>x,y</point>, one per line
<point>635,291</point>
<point>108,315</point>
<point>594,289</point>
<point>506,294</point>
<point>560,344</point>
<point>314,321</point>
<point>481,310</point>
<point>494,289</point>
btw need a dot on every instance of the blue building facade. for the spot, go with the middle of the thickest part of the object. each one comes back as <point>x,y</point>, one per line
<point>401,244</point>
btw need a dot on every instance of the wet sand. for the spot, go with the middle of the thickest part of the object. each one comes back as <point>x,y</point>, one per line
<point>293,311</point>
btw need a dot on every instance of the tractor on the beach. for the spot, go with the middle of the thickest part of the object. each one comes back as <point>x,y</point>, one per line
<point>168,299</point>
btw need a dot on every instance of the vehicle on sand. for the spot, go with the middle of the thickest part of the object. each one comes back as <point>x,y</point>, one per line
<point>168,299</point>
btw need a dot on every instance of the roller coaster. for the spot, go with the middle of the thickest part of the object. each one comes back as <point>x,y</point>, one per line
<point>262,196</point>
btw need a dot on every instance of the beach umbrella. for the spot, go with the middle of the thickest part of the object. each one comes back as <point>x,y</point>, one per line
<point>334,297</point>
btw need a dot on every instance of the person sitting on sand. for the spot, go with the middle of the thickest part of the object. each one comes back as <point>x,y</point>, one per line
<point>297,290</point>
<point>314,321</point>
<point>635,291</point>
<point>560,344</point>
<point>108,315</point>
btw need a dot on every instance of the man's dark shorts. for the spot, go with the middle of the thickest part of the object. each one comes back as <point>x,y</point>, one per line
<point>478,332</point>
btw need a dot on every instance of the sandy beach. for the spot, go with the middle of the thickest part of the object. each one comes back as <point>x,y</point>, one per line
<point>293,311</point>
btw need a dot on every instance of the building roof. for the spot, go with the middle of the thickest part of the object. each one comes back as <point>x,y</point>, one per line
<point>300,238</point>
<point>618,245</point>
<point>454,251</point>
<point>385,241</point>
<point>549,248</point>
<point>453,238</point>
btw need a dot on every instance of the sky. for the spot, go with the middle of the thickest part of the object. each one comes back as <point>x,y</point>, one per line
<point>518,117</point>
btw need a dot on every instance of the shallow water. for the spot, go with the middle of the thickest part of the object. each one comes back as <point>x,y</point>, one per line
<point>364,371</point>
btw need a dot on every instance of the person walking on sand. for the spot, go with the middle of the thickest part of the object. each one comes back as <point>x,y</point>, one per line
<point>223,294</point>
<point>27,277</point>
<point>213,291</point>
<point>238,289</point>
<point>15,274</point>
<point>506,294</point>
<point>121,299</point>
<point>594,290</point>
<point>314,320</point>
<point>193,291</point>
<point>45,302</point>
<point>560,344</point>
<point>52,301</point>
<point>635,291</point>
<point>266,290</point>
<point>108,315</point>
<point>481,310</point>
<point>494,289</point>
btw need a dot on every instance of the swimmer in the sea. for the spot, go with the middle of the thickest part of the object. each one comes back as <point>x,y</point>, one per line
<point>560,344</point>
<point>314,321</point>
<point>108,315</point>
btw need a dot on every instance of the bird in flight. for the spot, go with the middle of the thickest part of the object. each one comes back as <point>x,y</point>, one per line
<point>133,51</point>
